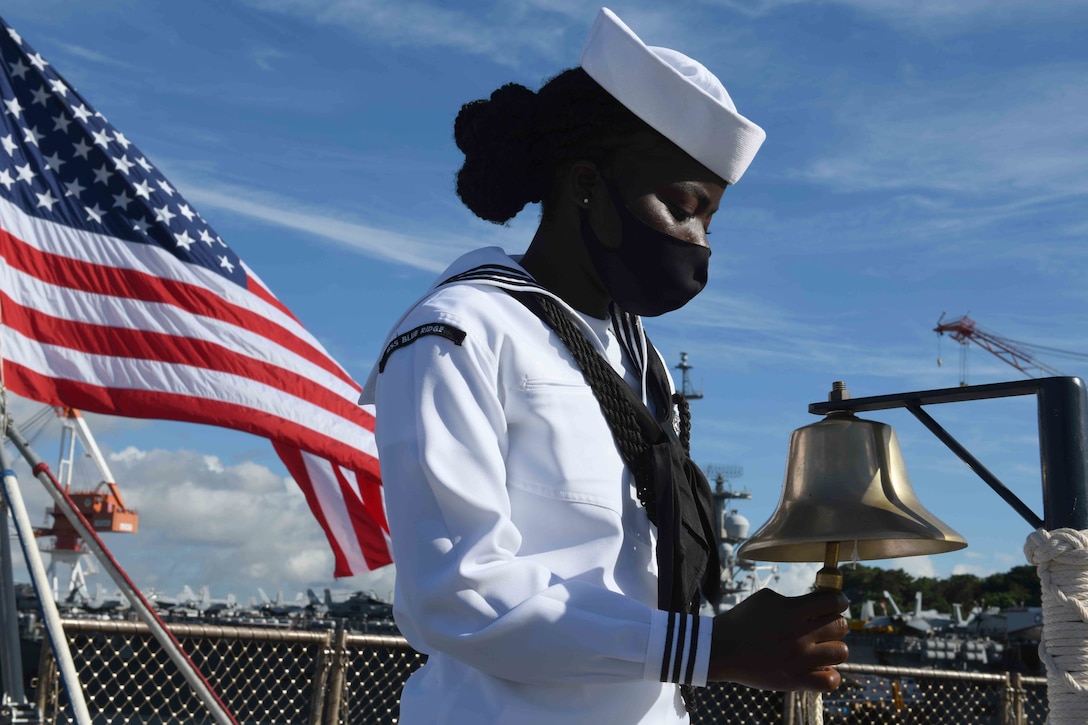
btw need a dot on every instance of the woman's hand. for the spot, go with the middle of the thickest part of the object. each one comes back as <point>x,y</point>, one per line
<point>772,642</point>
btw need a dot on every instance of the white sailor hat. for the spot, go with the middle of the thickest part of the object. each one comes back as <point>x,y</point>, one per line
<point>674,94</point>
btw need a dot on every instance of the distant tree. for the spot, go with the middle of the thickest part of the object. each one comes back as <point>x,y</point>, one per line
<point>1017,587</point>
<point>933,594</point>
<point>1001,600</point>
<point>861,583</point>
<point>896,582</point>
<point>962,589</point>
<point>857,582</point>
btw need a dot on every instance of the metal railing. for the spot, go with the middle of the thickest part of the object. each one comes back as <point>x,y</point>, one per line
<point>288,677</point>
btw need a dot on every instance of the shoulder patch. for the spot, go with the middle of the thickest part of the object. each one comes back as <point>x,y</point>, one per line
<point>449,332</point>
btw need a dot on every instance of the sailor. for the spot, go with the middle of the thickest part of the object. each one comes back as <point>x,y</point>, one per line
<point>553,540</point>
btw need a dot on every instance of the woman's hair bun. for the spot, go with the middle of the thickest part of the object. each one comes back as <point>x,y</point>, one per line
<point>515,140</point>
<point>501,173</point>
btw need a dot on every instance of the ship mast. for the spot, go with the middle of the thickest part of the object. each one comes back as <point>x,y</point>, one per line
<point>740,578</point>
<point>686,388</point>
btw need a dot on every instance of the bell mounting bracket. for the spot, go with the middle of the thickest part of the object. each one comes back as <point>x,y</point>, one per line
<point>1063,440</point>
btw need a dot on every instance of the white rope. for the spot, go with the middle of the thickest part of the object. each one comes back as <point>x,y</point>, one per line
<point>1061,559</point>
<point>812,708</point>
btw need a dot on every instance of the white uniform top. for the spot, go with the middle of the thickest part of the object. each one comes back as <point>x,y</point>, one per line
<point>525,565</point>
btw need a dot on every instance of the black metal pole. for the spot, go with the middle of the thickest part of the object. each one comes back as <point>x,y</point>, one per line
<point>973,463</point>
<point>1063,450</point>
<point>1063,438</point>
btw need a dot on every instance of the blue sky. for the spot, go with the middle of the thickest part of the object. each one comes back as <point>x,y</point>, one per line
<point>922,157</point>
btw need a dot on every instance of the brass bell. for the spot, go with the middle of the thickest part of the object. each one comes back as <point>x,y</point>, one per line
<point>846,485</point>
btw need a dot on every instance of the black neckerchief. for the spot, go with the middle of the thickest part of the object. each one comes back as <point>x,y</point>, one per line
<point>672,489</point>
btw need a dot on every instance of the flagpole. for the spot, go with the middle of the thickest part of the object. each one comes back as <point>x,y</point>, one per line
<point>14,499</point>
<point>140,605</point>
<point>11,665</point>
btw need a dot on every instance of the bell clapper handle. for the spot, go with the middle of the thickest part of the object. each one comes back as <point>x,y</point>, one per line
<point>830,577</point>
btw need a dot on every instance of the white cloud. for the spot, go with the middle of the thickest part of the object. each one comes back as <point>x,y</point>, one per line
<point>127,455</point>
<point>969,569</point>
<point>508,32</point>
<point>740,332</point>
<point>795,579</point>
<point>428,251</point>
<point>378,583</point>
<point>968,136</point>
<point>263,57</point>
<point>930,17</point>
<point>511,32</point>
<point>917,566</point>
<point>944,18</point>
<point>975,170</point>
<point>715,309</point>
<point>379,243</point>
<point>86,54</point>
<point>233,526</point>
<point>213,464</point>
<point>986,563</point>
<point>502,33</point>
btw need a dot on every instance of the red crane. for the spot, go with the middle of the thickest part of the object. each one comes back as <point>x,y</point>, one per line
<point>964,330</point>
<point>102,506</point>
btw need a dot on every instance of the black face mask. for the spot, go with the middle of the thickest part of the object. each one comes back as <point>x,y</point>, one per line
<point>651,272</point>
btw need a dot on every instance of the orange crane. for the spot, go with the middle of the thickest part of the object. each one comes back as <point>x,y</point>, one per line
<point>964,330</point>
<point>102,506</point>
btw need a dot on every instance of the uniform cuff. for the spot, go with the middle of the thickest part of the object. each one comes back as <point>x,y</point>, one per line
<point>679,648</point>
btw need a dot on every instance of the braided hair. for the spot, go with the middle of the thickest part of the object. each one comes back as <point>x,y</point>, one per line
<point>515,140</point>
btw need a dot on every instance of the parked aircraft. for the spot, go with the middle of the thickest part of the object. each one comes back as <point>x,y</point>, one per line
<point>279,608</point>
<point>209,605</point>
<point>102,602</point>
<point>918,621</point>
<point>160,600</point>
<point>1023,623</point>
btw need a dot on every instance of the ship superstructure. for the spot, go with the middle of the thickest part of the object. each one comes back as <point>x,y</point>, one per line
<point>740,577</point>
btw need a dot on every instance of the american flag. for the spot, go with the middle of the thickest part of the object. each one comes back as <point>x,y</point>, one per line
<point>117,297</point>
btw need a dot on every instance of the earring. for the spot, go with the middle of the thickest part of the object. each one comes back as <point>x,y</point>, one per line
<point>586,200</point>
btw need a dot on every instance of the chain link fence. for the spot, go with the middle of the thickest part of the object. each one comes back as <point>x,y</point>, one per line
<point>288,677</point>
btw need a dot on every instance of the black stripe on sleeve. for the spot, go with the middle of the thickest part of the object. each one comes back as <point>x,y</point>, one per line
<point>666,658</point>
<point>680,639</point>
<point>693,649</point>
